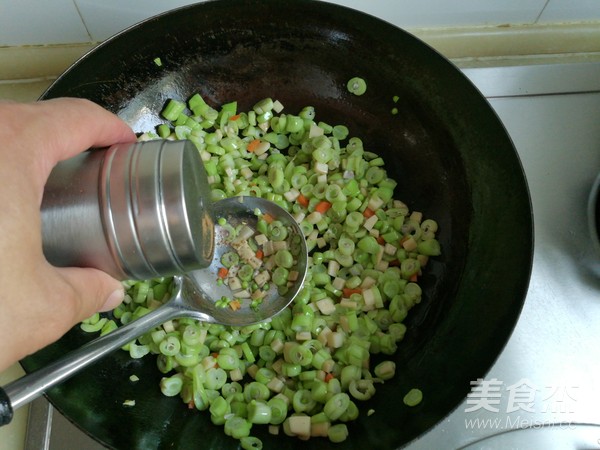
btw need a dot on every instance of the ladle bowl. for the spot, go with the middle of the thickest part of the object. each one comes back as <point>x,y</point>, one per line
<point>195,295</point>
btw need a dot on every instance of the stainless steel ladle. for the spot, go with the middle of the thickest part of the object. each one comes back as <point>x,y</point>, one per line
<point>194,296</point>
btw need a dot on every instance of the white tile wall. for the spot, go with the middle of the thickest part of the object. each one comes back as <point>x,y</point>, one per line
<point>25,22</point>
<point>571,11</point>
<point>106,17</point>
<point>444,13</point>
<point>40,22</point>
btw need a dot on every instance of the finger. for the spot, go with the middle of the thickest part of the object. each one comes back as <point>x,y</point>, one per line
<point>42,133</point>
<point>90,291</point>
<point>49,304</point>
<point>72,125</point>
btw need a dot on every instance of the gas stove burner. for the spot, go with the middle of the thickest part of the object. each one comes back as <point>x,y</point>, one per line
<point>594,214</point>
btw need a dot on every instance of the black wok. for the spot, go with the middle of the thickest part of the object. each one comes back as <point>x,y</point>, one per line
<point>446,148</point>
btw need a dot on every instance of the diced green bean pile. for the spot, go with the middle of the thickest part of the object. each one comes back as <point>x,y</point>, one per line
<point>256,258</point>
<point>305,372</point>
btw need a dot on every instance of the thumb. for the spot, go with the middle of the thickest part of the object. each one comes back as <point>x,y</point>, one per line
<point>92,290</point>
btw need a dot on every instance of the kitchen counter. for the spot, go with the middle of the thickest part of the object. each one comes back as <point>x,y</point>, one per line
<point>548,320</point>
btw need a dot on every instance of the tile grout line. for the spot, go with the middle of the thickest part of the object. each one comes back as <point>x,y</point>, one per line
<point>538,16</point>
<point>87,30</point>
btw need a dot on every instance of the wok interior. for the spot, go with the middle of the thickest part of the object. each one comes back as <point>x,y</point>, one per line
<point>446,148</point>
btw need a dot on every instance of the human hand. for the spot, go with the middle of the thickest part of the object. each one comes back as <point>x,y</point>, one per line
<point>40,302</point>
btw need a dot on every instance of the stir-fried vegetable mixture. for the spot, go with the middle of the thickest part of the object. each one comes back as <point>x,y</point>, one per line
<point>256,258</point>
<point>305,372</point>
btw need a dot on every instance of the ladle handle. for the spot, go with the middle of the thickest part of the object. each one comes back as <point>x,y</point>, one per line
<point>31,386</point>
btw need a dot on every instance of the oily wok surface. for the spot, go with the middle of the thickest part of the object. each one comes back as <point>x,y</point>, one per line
<point>446,148</point>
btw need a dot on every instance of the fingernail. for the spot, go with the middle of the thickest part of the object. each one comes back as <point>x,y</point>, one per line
<point>113,300</point>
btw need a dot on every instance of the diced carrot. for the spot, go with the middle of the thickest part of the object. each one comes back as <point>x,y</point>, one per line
<point>347,292</point>
<point>413,278</point>
<point>380,240</point>
<point>236,117</point>
<point>260,254</point>
<point>222,273</point>
<point>368,212</point>
<point>235,305</point>
<point>302,200</point>
<point>329,377</point>
<point>253,145</point>
<point>268,218</point>
<point>323,206</point>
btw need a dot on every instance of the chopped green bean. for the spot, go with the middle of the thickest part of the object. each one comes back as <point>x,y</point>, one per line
<point>170,346</point>
<point>229,259</point>
<point>237,427</point>
<point>337,433</point>
<point>284,258</point>
<point>303,368</point>
<point>173,109</point>
<point>256,391</point>
<point>251,443</point>
<point>336,405</point>
<point>357,86</point>
<point>259,412</point>
<point>171,386</point>
<point>413,397</point>
<point>280,276</point>
<point>361,389</point>
<point>279,410</point>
